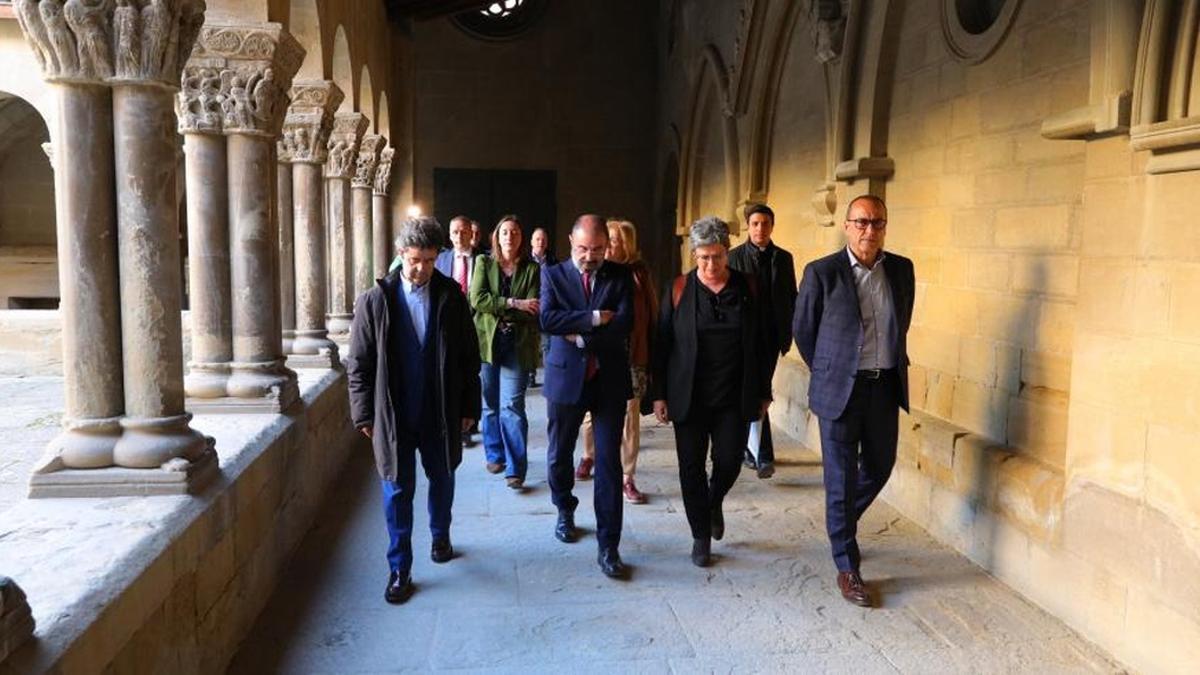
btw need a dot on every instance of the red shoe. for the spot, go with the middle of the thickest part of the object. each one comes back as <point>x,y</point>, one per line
<point>584,471</point>
<point>632,494</point>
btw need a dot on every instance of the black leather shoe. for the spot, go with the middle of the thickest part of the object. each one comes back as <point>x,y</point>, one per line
<point>442,551</point>
<point>718,522</point>
<point>766,470</point>
<point>702,552</point>
<point>565,530</point>
<point>399,588</point>
<point>610,563</point>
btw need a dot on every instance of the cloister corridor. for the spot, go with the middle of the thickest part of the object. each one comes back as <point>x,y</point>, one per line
<point>516,600</point>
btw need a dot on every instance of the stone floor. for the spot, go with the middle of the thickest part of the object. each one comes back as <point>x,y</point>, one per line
<point>517,600</point>
<point>30,417</point>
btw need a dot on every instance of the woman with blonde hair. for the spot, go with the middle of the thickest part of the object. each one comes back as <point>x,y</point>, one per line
<point>504,293</point>
<point>623,248</point>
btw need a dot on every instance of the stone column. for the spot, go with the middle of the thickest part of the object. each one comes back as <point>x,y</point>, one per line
<point>86,217</point>
<point>259,61</point>
<point>360,210</point>
<point>348,130</point>
<point>305,145</point>
<point>198,108</point>
<point>16,620</point>
<point>287,255</point>
<point>381,244</point>
<point>123,151</point>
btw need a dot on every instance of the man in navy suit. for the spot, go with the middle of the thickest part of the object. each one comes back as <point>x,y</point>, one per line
<point>458,264</point>
<point>587,311</point>
<point>851,327</point>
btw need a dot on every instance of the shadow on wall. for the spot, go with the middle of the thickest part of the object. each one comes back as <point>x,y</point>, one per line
<point>986,498</point>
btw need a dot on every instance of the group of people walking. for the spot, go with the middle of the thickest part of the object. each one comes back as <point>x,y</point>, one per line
<point>451,337</point>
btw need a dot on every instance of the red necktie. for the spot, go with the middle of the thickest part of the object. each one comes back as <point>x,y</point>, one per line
<point>462,274</point>
<point>592,365</point>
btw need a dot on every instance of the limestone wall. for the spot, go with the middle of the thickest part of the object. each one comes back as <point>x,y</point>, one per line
<point>1046,207</point>
<point>172,584</point>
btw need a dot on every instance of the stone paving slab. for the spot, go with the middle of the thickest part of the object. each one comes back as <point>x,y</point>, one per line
<point>517,600</point>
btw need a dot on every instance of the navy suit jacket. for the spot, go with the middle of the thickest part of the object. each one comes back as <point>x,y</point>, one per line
<point>565,311</point>
<point>828,328</point>
<point>445,263</point>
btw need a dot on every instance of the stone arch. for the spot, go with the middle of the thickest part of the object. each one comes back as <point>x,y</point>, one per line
<point>27,208</point>
<point>710,122</point>
<point>366,95</point>
<point>762,132</point>
<point>342,70</point>
<point>304,23</point>
<point>383,122</point>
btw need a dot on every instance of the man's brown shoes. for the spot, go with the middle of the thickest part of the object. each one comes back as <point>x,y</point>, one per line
<point>853,589</point>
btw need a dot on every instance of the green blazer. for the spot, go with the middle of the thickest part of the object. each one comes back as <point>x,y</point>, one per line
<point>490,307</point>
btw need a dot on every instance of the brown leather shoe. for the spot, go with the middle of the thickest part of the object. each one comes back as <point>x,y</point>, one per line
<point>494,467</point>
<point>853,589</point>
<point>632,494</point>
<point>584,471</point>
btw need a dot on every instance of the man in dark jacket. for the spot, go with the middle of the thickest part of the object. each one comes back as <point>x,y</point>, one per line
<point>413,370</point>
<point>775,272</point>
<point>851,329</point>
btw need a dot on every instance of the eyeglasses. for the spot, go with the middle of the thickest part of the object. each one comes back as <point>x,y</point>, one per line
<point>863,223</point>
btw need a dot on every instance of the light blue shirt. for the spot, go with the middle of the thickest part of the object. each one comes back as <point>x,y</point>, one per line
<point>417,298</point>
<point>878,314</point>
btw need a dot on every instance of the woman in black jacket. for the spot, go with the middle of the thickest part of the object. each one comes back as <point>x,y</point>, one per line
<point>709,323</point>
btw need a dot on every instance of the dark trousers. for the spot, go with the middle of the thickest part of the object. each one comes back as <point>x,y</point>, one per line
<point>608,421</point>
<point>726,431</point>
<point>858,451</point>
<point>766,449</point>
<point>398,499</point>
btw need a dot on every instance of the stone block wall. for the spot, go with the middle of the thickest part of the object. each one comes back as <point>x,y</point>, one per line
<point>172,584</point>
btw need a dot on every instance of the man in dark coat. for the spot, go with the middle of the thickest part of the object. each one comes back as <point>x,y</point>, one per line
<point>775,273</point>
<point>588,312</point>
<point>851,328</point>
<point>413,371</point>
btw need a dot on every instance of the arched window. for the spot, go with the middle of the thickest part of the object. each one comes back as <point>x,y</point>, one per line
<point>501,20</point>
<point>975,28</point>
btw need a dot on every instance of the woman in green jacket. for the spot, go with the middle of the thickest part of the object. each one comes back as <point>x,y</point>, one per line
<point>504,292</point>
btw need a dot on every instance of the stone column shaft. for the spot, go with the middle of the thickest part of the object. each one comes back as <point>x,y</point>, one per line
<point>156,426</point>
<point>287,256</point>
<point>86,223</point>
<point>347,134</point>
<point>360,211</point>
<point>208,269</point>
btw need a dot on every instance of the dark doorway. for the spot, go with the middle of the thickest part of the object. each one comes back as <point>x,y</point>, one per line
<point>488,194</point>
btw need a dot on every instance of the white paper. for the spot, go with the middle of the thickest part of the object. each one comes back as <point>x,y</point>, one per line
<point>755,440</point>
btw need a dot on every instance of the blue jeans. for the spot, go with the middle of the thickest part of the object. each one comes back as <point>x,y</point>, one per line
<point>398,500</point>
<point>504,425</point>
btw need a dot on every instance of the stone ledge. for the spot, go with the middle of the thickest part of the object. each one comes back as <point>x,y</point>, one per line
<point>171,584</point>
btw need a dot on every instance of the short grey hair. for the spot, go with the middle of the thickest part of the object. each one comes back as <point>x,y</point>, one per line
<point>707,231</point>
<point>420,232</point>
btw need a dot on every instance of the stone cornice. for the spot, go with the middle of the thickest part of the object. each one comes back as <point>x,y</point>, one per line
<point>237,80</point>
<point>383,172</point>
<point>368,158</point>
<point>348,130</point>
<point>309,121</point>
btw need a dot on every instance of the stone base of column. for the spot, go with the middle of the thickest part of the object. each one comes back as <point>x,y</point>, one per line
<point>85,443</point>
<point>254,388</point>
<point>338,325</point>
<point>16,620</point>
<point>327,359</point>
<point>289,336</point>
<point>177,476</point>
<point>206,380</point>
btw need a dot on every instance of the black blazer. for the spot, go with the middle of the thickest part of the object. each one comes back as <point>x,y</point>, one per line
<point>673,358</point>
<point>783,288</point>
<point>829,332</point>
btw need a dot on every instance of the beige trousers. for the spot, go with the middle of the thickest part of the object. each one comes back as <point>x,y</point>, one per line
<point>630,438</point>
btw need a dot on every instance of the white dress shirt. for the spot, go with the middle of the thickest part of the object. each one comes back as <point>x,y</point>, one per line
<point>878,314</point>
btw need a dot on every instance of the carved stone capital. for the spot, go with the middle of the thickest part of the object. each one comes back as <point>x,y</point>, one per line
<point>348,130</point>
<point>383,172</point>
<point>368,158</point>
<point>71,41</point>
<point>237,79</point>
<point>16,620</point>
<point>309,122</point>
<point>152,39</point>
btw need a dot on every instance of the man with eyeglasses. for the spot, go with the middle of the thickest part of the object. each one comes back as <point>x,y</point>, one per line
<point>851,326</point>
<point>775,272</point>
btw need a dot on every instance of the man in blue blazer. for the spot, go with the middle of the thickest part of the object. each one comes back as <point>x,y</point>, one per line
<point>457,263</point>
<point>587,311</point>
<point>851,328</point>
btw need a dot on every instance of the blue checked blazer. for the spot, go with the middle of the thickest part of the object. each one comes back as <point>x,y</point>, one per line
<point>828,328</point>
